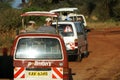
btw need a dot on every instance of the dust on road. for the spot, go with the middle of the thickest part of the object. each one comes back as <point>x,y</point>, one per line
<point>103,63</point>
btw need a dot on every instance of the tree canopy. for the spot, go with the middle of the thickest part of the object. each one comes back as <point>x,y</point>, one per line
<point>102,10</point>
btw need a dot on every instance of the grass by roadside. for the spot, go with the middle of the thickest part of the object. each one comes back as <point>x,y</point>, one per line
<point>103,25</point>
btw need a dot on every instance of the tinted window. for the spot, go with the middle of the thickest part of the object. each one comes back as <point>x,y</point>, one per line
<point>80,18</point>
<point>79,27</point>
<point>38,48</point>
<point>65,29</point>
<point>77,18</point>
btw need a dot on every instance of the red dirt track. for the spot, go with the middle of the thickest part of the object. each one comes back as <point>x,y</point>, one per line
<point>103,62</point>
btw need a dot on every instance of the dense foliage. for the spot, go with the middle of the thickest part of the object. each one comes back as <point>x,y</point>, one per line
<point>94,10</point>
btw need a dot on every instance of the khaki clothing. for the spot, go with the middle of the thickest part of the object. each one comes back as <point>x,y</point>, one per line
<point>30,28</point>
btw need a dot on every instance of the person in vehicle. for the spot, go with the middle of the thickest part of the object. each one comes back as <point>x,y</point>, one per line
<point>31,26</point>
<point>47,27</point>
<point>68,29</point>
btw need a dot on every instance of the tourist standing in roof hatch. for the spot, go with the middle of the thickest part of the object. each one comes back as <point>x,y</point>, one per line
<point>31,26</point>
<point>47,27</point>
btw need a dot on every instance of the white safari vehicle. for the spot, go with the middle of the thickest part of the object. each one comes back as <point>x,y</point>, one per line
<point>75,38</point>
<point>72,31</point>
<point>71,13</point>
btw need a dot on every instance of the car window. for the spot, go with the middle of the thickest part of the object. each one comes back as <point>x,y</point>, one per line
<point>79,27</point>
<point>38,48</point>
<point>77,18</point>
<point>65,29</point>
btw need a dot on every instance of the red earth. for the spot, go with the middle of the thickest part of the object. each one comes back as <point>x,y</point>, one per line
<point>103,62</point>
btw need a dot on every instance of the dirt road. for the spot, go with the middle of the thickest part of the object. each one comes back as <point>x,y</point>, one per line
<point>103,63</point>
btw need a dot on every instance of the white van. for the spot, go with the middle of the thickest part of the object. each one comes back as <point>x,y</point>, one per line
<point>74,36</point>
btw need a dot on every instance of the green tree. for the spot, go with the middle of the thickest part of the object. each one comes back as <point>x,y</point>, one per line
<point>10,21</point>
<point>4,5</point>
<point>115,10</point>
<point>90,6</point>
<point>8,16</point>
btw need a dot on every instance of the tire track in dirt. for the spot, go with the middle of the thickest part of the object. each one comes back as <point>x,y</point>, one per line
<point>100,64</point>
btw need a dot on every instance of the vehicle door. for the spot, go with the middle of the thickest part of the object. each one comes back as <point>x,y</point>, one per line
<point>82,37</point>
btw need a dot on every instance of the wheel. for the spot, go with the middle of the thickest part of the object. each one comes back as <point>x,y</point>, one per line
<point>79,56</point>
<point>86,54</point>
<point>70,74</point>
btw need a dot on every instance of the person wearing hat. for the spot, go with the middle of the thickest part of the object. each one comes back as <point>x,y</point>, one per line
<point>31,26</point>
<point>47,27</point>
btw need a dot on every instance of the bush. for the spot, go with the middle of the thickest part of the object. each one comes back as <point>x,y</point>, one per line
<point>10,19</point>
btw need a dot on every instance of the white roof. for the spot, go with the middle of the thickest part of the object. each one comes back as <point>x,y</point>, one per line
<point>72,14</point>
<point>39,13</point>
<point>63,9</point>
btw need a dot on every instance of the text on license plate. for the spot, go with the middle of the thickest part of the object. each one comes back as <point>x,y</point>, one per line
<point>34,73</point>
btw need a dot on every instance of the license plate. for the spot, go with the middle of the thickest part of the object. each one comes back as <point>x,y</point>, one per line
<point>38,73</point>
<point>43,74</point>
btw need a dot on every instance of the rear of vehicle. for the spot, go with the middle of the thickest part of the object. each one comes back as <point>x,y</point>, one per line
<point>74,37</point>
<point>68,32</point>
<point>40,57</point>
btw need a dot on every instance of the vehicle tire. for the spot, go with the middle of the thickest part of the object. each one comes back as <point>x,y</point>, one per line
<point>86,54</point>
<point>79,56</point>
<point>70,74</point>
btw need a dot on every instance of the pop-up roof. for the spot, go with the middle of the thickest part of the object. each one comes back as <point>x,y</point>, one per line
<point>39,13</point>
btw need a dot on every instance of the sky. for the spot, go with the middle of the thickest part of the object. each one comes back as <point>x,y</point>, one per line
<point>16,3</point>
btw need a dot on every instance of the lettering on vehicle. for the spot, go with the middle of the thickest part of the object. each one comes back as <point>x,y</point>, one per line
<point>42,63</point>
<point>30,64</point>
<point>36,63</point>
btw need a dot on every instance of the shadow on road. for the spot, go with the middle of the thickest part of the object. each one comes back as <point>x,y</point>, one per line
<point>6,67</point>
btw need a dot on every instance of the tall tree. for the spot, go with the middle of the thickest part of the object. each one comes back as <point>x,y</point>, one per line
<point>55,1</point>
<point>90,7</point>
<point>4,4</point>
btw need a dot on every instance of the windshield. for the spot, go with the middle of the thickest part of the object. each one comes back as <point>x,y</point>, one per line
<point>38,48</point>
<point>65,30</point>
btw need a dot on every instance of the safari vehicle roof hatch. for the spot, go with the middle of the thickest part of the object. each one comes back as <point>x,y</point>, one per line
<point>64,9</point>
<point>38,13</point>
<point>61,11</point>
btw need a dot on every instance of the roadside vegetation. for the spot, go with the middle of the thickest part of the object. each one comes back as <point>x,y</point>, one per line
<point>99,14</point>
